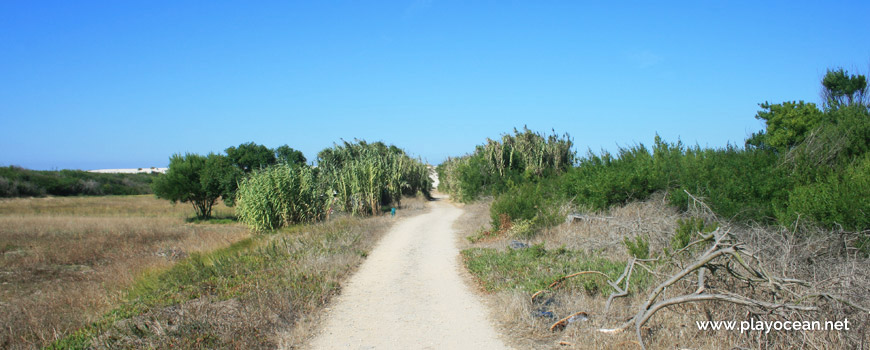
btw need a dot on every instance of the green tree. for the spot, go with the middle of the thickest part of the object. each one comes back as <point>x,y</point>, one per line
<point>287,155</point>
<point>199,180</point>
<point>221,175</point>
<point>251,156</point>
<point>841,89</point>
<point>787,124</point>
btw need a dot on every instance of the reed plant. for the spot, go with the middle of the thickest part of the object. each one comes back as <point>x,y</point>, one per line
<point>499,165</point>
<point>357,178</point>
<point>279,196</point>
<point>363,176</point>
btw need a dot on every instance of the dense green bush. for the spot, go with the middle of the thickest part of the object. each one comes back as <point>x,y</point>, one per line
<point>498,166</point>
<point>842,199</point>
<point>358,178</point>
<point>19,182</point>
<point>365,176</point>
<point>537,203</point>
<point>281,195</point>
<point>602,181</point>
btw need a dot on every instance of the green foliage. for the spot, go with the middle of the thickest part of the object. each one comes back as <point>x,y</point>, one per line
<point>80,339</point>
<point>602,181</point>
<point>279,196</point>
<point>251,156</point>
<point>833,145</point>
<point>287,155</point>
<point>534,268</point>
<point>689,229</point>
<point>19,182</point>
<point>220,176</point>
<point>787,124</point>
<point>497,166</point>
<point>537,203</point>
<point>842,199</point>
<point>358,178</point>
<point>199,180</point>
<point>747,185</point>
<point>365,176</point>
<point>638,247</point>
<point>840,89</point>
<point>734,182</point>
<point>523,229</point>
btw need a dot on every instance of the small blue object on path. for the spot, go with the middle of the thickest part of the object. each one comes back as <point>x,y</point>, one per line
<point>392,211</point>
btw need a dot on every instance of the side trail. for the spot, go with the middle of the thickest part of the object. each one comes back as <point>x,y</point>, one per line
<point>409,294</point>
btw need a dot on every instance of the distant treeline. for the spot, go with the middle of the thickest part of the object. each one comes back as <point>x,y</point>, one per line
<point>20,182</point>
<point>810,164</point>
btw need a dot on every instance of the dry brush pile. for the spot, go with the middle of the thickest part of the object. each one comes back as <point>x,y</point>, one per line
<point>696,268</point>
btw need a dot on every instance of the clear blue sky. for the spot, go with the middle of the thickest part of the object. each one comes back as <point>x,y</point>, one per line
<point>113,84</point>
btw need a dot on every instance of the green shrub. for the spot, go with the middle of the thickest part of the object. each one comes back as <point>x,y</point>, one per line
<point>500,165</point>
<point>689,229</point>
<point>842,199</point>
<point>19,182</point>
<point>638,247</point>
<point>524,229</point>
<point>534,268</point>
<point>279,196</point>
<point>537,203</point>
<point>602,181</point>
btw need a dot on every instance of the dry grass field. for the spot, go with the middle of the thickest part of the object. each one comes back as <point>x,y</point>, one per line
<point>64,261</point>
<point>138,272</point>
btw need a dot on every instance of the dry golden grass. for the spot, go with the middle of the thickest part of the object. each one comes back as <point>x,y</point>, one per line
<point>806,255</point>
<point>268,294</point>
<point>65,261</point>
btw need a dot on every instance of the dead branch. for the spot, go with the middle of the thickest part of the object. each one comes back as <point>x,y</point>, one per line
<point>620,291</point>
<point>560,324</point>
<point>559,281</point>
<point>722,246</point>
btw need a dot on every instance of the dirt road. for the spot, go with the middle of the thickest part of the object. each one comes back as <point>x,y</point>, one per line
<point>409,294</point>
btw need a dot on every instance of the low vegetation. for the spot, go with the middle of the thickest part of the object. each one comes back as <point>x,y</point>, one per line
<point>264,291</point>
<point>767,230</point>
<point>19,182</point>
<point>64,261</point>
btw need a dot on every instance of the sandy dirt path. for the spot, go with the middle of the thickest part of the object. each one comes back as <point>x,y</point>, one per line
<point>409,294</point>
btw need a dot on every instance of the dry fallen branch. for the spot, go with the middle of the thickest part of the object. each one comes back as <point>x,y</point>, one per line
<point>560,324</point>
<point>722,249</point>
<point>559,281</point>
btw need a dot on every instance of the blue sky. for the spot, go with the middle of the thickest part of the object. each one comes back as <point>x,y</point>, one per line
<point>122,84</point>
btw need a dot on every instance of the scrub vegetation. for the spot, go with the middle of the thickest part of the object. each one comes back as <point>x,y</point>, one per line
<point>774,228</point>
<point>19,182</point>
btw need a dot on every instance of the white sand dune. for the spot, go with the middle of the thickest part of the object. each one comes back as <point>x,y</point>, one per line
<point>131,171</point>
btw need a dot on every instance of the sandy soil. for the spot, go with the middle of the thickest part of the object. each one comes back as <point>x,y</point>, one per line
<point>409,294</point>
